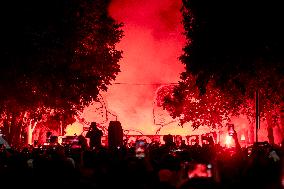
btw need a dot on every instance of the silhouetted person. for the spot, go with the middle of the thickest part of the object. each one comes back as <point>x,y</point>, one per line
<point>169,144</point>
<point>95,135</point>
<point>168,139</point>
<point>82,142</point>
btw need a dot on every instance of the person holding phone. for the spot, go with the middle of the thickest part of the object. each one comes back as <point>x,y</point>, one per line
<point>199,175</point>
<point>140,148</point>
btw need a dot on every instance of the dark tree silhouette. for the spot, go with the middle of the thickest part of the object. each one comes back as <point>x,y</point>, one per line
<point>237,44</point>
<point>55,54</point>
<point>233,48</point>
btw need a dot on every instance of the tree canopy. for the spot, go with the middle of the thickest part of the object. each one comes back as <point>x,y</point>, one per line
<point>233,49</point>
<point>237,44</point>
<point>56,54</point>
<point>212,109</point>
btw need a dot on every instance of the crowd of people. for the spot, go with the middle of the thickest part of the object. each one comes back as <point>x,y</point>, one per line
<point>168,166</point>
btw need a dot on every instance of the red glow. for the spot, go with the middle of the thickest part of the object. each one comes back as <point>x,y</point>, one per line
<point>200,170</point>
<point>151,46</point>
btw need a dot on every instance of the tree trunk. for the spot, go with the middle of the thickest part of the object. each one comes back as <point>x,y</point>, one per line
<point>15,130</point>
<point>270,126</point>
<point>12,130</point>
<point>6,131</point>
<point>282,120</point>
<point>31,128</point>
<point>251,132</point>
<point>270,134</point>
<point>30,133</point>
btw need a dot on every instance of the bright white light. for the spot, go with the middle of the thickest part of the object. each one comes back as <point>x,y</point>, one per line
<point>243,138</point>
<point>228,141</point>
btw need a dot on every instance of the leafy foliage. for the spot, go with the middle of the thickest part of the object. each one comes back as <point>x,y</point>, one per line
<point>233,49</point>
<point>236,44</point>
<point>212,108</point>
<point>56,54</point>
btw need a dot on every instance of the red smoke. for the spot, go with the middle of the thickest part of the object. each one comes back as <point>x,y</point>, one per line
<point>151,46</point>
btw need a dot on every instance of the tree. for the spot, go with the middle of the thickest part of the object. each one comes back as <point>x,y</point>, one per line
<point>213,108</point>
<point>56,54</point>
<point>233,43</point>
<point>235,47</point>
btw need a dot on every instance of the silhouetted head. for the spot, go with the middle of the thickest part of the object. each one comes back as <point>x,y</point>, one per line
<point>168,139</point>
<point>93,125</point>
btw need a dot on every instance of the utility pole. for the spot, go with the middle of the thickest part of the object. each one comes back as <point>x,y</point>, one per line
<point>257,120</point>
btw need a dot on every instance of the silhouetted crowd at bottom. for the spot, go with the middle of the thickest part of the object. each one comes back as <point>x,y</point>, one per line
<point>155,167</point>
